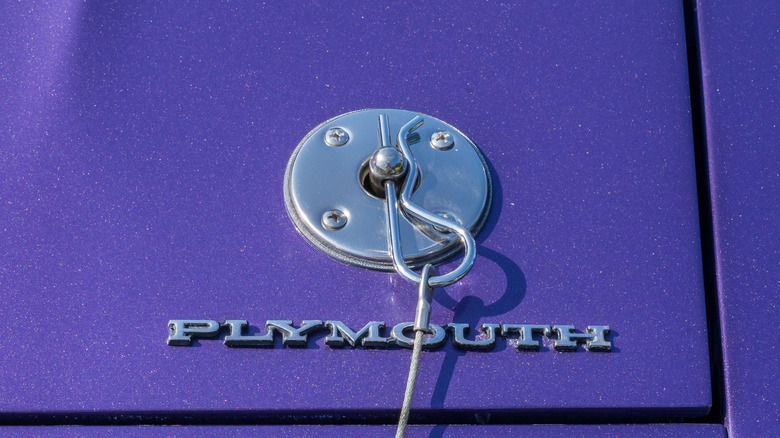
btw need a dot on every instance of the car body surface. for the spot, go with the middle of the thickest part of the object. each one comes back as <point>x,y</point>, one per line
<point>631,151</point>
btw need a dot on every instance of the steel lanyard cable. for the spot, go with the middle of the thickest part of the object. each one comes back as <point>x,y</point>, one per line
<point>421,327</point>
<point>427,280</point>
<point>403,420</point>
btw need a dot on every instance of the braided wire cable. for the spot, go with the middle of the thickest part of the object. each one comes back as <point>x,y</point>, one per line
<point>410,382</point>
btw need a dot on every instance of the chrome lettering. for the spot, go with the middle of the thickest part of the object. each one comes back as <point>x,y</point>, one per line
<point>460,330</point>
<point>292,336</point>
<point>181,331</point>
<point>436,341</point>
<point>594,339</point>
<point>526,341</point>
<point>236,339</point>
<point>368,336</point>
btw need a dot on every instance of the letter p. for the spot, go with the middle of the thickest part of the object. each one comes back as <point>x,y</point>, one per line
<point>181,331</point>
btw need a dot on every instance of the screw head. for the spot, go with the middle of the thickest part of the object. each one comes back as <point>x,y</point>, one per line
<point>336,137</point>
<point>334,219</point>
<point>387,163</point>
<point>442,140</point>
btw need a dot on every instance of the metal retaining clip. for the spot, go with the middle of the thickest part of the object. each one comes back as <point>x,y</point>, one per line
<point>388,165</point>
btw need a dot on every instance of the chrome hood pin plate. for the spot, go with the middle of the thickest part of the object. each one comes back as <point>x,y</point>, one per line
<point>329,181</point>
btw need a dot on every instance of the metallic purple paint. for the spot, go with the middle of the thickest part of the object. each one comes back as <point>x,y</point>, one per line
<point>739,51</point>
<point>142,181</point>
